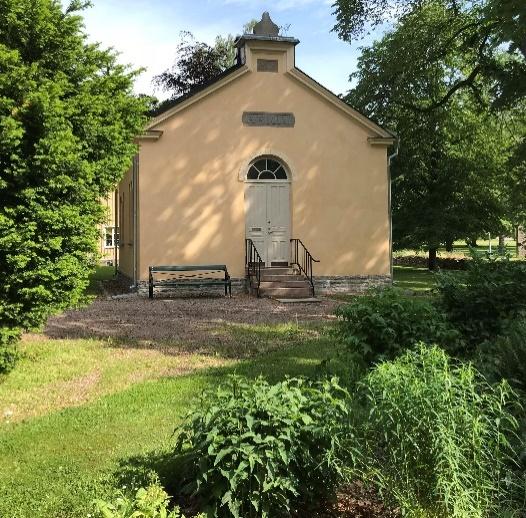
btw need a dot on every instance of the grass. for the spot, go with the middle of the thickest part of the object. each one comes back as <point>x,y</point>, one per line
<point>100,273</point>
<point>418,280</point>
<point>461,249</point>
<point>56,374</point>
<point>76,412</point>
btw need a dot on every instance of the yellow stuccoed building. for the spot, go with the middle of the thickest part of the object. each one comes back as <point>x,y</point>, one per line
<point>266,154</point>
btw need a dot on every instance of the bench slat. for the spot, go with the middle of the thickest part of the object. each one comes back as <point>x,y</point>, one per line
<point>197,279</point>
<point>188,268</point>
<point>191,283</point>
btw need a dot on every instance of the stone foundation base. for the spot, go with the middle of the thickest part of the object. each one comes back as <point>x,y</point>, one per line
<point>324,285</point>
<point>350,284</point>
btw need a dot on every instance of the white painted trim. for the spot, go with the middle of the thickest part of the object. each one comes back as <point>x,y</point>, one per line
<point>282,157</point>
<point>381,141</point>
<point>150,135</point>
<point>198,96</point>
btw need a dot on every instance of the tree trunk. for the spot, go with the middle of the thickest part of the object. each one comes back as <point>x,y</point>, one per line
<point>449,246</point>
<point>432,259</point>
<point>502,245</point>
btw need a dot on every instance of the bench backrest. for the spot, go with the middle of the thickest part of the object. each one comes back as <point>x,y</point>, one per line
<point>188,268</point>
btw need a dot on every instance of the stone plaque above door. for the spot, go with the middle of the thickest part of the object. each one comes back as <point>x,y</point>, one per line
<point>277,120</point>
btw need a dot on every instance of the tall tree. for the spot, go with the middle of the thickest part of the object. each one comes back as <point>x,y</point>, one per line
<point>67,122</point>
<point>479,30</point>
<point>197,63</point>
<point>450,179</point>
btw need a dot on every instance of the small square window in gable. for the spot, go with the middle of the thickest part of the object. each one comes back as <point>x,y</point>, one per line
<point>267,65</point>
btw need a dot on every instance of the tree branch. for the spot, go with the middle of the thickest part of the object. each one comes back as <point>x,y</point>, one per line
<point>468,81</point>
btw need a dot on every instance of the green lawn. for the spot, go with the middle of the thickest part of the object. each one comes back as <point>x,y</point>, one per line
<point>65,440</point>
<point>101,273</point>
<point>77,414</point>
<point>419,280</point>
<point>483,247</point>
<point>461,249</point>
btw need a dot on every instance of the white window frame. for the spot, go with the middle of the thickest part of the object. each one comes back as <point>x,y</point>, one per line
<point>110,230</point>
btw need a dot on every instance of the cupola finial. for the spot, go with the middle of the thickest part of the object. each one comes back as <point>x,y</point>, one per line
<point>266,27</point>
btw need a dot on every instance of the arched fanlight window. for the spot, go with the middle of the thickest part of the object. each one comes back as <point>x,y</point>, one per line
<point>267,169</point>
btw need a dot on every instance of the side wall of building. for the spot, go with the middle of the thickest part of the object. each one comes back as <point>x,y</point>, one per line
<point>124,204</point>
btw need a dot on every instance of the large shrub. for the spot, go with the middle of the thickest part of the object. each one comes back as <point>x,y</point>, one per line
<point>384,323</point>
<point>504,357</point>
<point>252,449</point>
<point>8,358</point>
<point>489,293</point>
<point>149,502</point>
<point>435,437</point>
<point>8,351</point>
<point>68,118</point>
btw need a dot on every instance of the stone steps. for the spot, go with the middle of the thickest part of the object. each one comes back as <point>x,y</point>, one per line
<point>281,278</point>
<point>284,283</point>
<point>286,293</point>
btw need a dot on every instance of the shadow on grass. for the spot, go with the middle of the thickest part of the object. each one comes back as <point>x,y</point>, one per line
<point>232,340</point>
<point>138,470</point>
<point>315,358</point>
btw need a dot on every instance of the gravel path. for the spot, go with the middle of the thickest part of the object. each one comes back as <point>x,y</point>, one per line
<point>187,320</point>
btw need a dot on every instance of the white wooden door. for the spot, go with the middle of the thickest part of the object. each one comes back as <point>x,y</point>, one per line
<point>267,208</point>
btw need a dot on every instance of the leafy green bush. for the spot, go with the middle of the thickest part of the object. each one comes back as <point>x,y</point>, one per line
<point>478,302</point>
<point>253,449</point>
<point>8,352</point>
<point>435,438</point>
<point>8,358</point>
<point>68,118</point>
<point>150,502</point>
<point>384,323</point>
<point>504,357</point>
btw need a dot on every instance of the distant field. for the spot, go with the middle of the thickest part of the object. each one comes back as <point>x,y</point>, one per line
<point>460,249</point>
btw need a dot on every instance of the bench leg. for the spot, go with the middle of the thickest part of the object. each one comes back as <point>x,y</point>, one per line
<point>150,291</point>
<point>230,289</point>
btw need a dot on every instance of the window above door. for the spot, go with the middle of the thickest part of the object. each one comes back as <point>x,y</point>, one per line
<point>267,169</point>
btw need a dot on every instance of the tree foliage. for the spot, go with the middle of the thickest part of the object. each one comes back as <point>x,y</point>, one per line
<point>476,30</point>
<point>67,122</point>
<point>451,179</point>
<point>198,63</point>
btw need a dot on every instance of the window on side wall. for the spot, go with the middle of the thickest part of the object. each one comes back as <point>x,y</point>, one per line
<point>111,237</point>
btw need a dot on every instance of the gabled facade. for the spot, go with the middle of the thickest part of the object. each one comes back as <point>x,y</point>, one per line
<point>264,153</point>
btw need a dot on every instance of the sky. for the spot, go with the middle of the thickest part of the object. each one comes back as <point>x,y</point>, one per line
<point>146,33</point>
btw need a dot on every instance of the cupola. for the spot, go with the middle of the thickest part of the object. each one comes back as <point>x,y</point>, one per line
<point>265,50</point>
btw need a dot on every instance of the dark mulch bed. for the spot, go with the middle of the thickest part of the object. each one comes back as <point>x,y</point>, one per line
<point>358,502</point>
<point>353,501</point>
<point>196,324</point>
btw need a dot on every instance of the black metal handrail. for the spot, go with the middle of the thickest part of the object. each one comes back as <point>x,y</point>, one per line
<point>303,259</point>
<point>253,263</point>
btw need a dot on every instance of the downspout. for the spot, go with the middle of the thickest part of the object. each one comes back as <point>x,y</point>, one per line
<point>116,230</point>
<point>135,175</point>
<point>390,209</point>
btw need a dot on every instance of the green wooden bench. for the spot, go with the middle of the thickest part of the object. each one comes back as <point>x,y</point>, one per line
<point>200,276</point>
